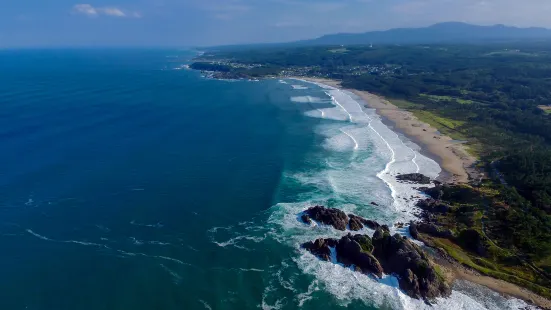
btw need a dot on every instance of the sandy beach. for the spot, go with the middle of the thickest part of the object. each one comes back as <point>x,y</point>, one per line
<point>457,163</point>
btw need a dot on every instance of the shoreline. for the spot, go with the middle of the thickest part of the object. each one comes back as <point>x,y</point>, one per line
<point>457,165</point>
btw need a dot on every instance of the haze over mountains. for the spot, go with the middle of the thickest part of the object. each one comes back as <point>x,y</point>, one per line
<point>450,32</point>
<point>442,33</point>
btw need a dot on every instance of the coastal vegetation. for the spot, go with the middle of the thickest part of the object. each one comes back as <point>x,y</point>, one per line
<point>492,229</point>
<point>496,98</point>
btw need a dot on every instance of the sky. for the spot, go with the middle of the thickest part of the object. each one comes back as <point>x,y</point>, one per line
<point>49,23</point>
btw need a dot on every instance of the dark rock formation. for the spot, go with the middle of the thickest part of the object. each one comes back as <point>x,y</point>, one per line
<point>321,248</point>
<point>381,254</point>
<point>413,230</point>
<point>434,206</point>
<point>351,250</point>
<point>354,223</point>
<point>414,178</point>
<point>356,250</point>
<point>433,230</point>
<point>417,276</point>
<point>436,192</point>
<point>328,216</point>
<point>357,221</point>
<point>306,218</point>
<point>337,218</point>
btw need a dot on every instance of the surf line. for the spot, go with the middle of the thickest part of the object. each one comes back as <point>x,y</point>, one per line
<point>310,103</point>
<point>370,120</point>
<point>351,137</point>
<point>337,103</point>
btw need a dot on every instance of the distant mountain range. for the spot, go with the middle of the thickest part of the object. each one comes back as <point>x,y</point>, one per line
<point>451,32</point>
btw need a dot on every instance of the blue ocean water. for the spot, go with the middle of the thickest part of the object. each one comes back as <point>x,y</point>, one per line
<point>129,184</point>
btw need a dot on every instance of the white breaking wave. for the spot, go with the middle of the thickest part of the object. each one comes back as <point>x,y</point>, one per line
<point>351,137</point>
<point>307,99</point>
<point>299,87</point>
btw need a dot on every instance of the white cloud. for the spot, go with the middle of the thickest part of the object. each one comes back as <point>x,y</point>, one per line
<point>89,10</point>
<point>113,12</point>
<point>85,9</point>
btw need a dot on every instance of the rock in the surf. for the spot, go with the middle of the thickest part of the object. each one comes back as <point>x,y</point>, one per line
<point>350,250</point>
<point>414,178</point>
<point>356,223</point>
<point>321,248</point>
<point>416,274</point>
<point>356,250</point>
<point>388,254</point>
<point>306,218</point>
<point>328,216</point>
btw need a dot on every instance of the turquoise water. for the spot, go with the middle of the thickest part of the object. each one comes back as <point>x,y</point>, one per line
<point>128,184</point>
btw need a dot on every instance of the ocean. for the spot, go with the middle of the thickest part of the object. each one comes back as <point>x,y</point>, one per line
<point>128,182</point>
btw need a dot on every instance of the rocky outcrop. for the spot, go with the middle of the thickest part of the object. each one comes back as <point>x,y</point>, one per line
<point>321,248</point>
<point>327,216</point>
<point>337,218</point>
<point>417,178</point>
<point>434,206</point>
<point>433,230</point>
<point>356,250</point>
<point>417,276</point>
<point>413,231</point>
<point>384,254</point>
<point>356,223</point>
<point>350,250</point>
<point>436,192</point>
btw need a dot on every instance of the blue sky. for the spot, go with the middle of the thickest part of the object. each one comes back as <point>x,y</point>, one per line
<point>210,22</point>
